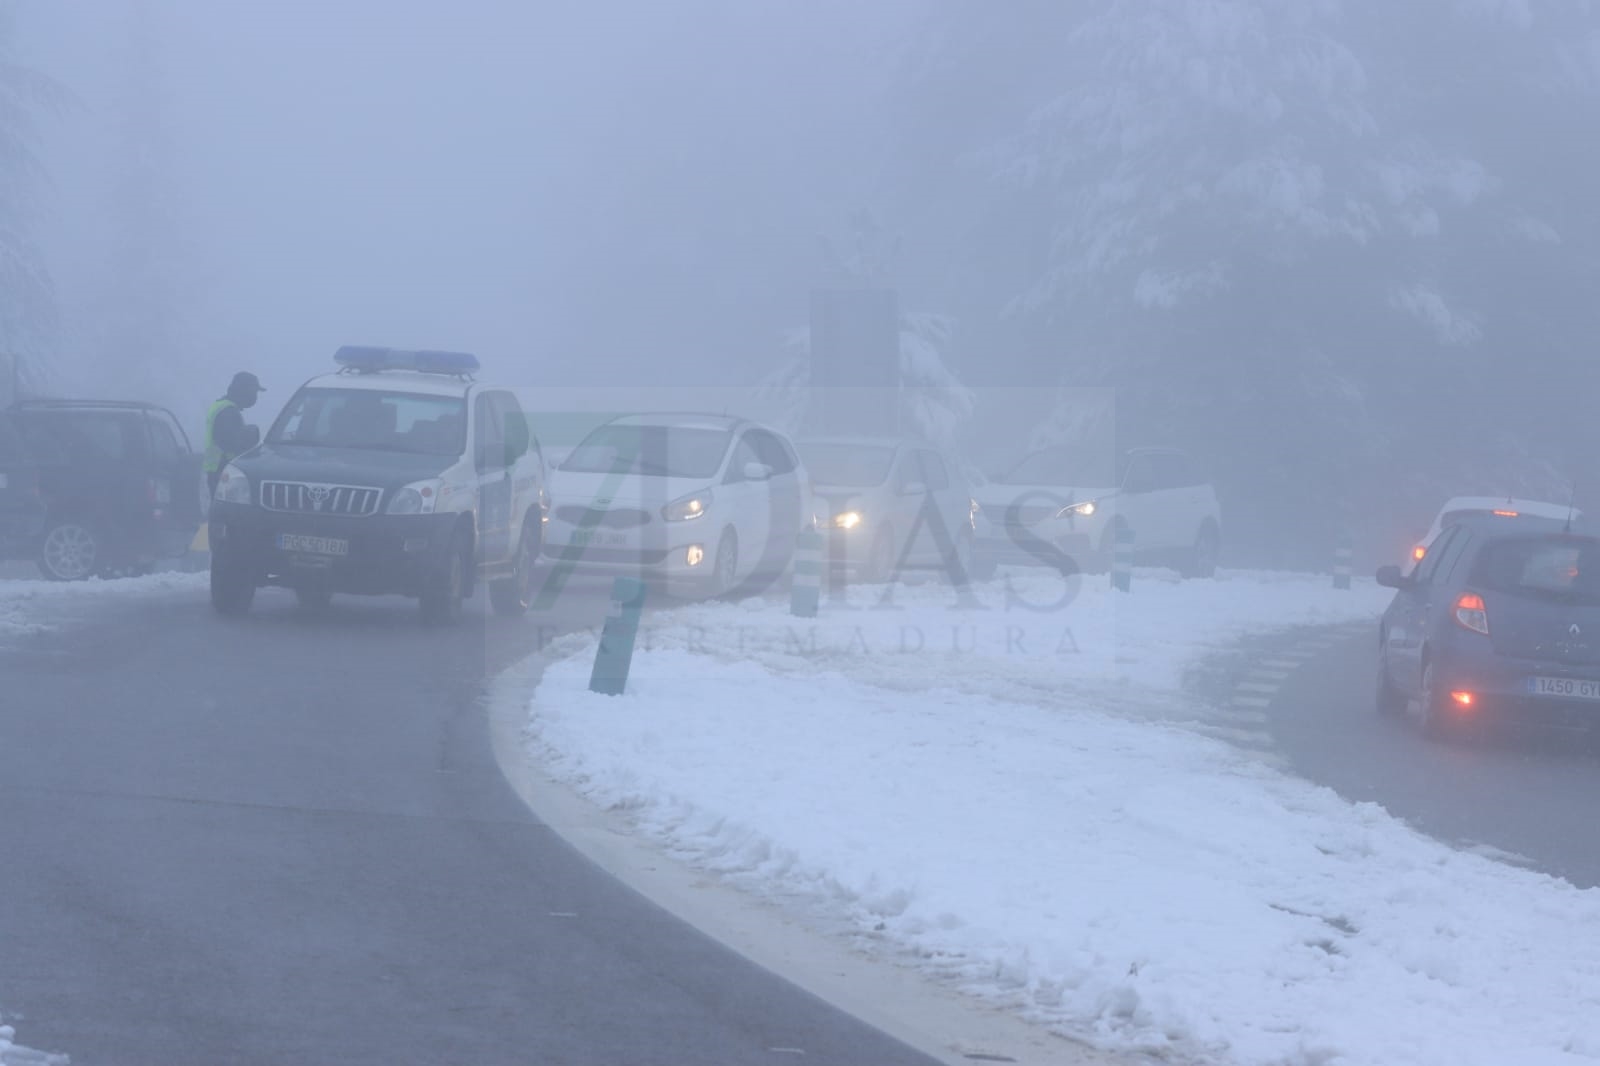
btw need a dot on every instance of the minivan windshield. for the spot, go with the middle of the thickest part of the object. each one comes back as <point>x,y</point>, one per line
<point>1559,567</point>
<point>650,451</point>
<point>1063,468</point>
<point>374,420</point>
<point>846,465</point>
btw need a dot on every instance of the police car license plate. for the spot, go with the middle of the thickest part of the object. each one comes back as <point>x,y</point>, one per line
<point>298,542</point>
<point>1565,687</point>
<point>584,538</point>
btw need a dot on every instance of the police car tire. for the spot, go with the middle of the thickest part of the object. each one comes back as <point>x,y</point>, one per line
<point>445,589</point>
<point>511,596</point>
<point>232,589</point>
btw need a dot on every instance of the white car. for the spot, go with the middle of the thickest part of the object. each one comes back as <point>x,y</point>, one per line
<point>887,504</point>
<point>702,503</point>
<point>1459,507</point>
<point>1058,504</point>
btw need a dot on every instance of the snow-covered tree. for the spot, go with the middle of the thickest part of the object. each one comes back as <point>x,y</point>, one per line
<point>27,307</point>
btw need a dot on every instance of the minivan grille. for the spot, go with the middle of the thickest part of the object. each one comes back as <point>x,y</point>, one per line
<point>298,497</point>
<point>591,517</point>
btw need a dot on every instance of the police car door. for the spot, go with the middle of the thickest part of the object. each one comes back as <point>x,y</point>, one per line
<point>494,480</point>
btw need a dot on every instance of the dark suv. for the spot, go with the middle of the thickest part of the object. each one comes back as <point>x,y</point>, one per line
<point>116,486</point>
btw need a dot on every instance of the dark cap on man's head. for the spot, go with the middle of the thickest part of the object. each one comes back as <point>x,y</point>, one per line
<point>246,381</point>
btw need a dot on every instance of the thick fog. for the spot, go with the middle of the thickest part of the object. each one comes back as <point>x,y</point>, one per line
<point>1343,252</point>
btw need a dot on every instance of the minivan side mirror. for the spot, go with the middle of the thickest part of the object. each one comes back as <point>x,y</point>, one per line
<point>1390,577</point>
<point>757,471</point>
<point>914,488</point>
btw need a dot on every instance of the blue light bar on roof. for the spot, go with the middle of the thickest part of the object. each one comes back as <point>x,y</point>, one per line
<point>366,360</point>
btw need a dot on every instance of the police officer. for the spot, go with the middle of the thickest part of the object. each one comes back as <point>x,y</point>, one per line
<point>226,433</point>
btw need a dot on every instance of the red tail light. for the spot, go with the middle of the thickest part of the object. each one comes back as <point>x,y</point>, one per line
<point>1463,699</point>
<point>1506,514</point>
<point>1471,614</point>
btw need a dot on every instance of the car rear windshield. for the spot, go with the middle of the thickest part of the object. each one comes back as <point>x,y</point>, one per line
<point>846,465</point>
<point>1558,567</point>
<point>650,451</point>
<point>85,437</point>
<point>373,420</point>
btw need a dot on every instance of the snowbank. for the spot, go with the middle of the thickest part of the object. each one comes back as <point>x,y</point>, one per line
<point>30,606</point>
<point>1018,804</point>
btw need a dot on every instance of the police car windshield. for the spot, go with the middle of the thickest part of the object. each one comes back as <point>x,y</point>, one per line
<point>373,420</point>
<point>650,451</point>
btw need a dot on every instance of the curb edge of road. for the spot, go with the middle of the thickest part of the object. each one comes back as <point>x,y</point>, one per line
<point>910,1007</point>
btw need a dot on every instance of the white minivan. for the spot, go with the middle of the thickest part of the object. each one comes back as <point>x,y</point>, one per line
<point>709,504</point>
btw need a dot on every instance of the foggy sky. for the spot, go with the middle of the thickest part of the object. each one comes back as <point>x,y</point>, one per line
<point>583,191</point>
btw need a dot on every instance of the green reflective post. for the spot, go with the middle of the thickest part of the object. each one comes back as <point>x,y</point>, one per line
<point>615,654</point>
<point>805,587</point>
<point>1122,560</point>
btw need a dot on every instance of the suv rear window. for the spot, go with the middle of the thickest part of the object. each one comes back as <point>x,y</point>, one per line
<point>84,437</point>
<point>1558,567</point>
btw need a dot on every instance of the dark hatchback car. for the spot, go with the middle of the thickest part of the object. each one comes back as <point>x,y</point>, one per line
<point>117,486</point>
<point>1500,624</point>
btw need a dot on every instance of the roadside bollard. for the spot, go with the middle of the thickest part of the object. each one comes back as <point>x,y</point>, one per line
<point>1343,557</point>
<point>1122,560</point>
<point>615,654</point>
<point>805,584</point>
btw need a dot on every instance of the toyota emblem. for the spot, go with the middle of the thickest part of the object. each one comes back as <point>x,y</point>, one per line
<point>319,496</point>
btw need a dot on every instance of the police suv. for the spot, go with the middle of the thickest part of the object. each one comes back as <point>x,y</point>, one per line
<point>398,474</point>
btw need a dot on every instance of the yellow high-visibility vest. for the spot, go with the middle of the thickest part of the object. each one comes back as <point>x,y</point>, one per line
<point>215,457</point>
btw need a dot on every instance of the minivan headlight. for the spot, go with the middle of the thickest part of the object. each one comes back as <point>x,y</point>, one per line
<point>688,507</point>
<point>419,497</point>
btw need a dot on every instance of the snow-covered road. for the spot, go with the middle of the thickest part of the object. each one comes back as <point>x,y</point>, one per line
<point>1020,796</point>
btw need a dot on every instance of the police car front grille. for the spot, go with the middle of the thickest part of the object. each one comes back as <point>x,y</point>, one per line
<point>589,517</point>
<point>297,497</point>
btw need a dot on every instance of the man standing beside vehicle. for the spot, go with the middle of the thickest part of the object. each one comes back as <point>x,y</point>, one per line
<point>226,433</point>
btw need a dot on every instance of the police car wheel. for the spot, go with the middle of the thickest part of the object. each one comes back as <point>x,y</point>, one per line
<point>441,599</point>
<point>511,596</point>
<point>232,589</point>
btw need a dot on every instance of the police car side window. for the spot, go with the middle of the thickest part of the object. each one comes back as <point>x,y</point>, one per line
<point>489,441</point>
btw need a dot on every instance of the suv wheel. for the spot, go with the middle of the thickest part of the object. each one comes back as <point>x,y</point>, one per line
<point>512,595</point>
<point>233,588</point>
<point>70,551</point>
<point>441,599</point>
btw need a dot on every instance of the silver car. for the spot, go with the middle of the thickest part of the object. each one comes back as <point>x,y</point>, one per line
<point>887,505</point>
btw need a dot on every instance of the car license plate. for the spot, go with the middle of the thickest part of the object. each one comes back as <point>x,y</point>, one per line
<point>297,542</point>
<point>1565,687</point>
<point>584,538</point>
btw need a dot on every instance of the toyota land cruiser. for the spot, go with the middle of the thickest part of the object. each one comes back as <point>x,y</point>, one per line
<point>397,475</point>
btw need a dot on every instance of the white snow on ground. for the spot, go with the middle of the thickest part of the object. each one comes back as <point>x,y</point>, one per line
<point>1031,816</point>
<point>29,607</point>
<point>13,1055</point>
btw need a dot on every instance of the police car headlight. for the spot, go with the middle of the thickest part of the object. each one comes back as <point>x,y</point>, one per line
<point>419,497</point>
<point>691,506</point>
<point>233,486</point>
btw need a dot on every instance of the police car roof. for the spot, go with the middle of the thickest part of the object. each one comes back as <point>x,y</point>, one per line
<point>411,381</point>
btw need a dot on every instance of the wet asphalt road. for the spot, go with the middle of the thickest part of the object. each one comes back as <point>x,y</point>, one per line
<point>1534,795</point>
<point>284,839</point>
